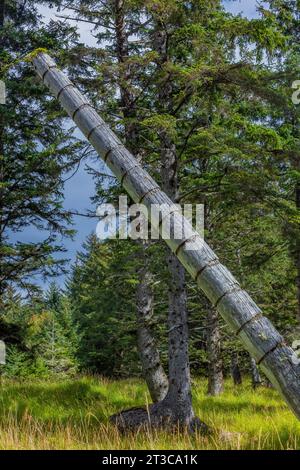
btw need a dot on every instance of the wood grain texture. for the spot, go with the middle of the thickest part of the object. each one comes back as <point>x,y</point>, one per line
<point>256,332</point>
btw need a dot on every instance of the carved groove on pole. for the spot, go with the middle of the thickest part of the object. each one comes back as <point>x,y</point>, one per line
<point>254,318</point>
<point>127,172</point>
<point>173,211</point>
<point>212,263</point>
<point>83,105</point>
<point>233,290</point>
<point>280,344</point>
<point>151,191</point>
<point>63,89</point>
<point>93,129</point>
<point>112,149</point>
<point>107,154</point>
<point>48,70</point>
<point>187,240</point>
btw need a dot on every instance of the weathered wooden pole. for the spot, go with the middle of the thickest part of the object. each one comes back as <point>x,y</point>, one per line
<point>257,334</point>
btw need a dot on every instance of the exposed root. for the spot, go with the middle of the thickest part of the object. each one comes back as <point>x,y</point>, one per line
<point>158,416</point>
<point>131,420</point>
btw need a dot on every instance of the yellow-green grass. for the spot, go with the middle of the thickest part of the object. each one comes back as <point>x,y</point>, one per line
<point>74,414</point>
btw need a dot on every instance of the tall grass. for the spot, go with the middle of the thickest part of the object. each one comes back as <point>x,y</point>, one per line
<point>74,415</point>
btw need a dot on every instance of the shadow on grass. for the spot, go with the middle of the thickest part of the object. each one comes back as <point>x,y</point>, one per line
<point>55,403</point>
<point>210,404</point>
<point>71,402</point>
<point>63,393</point>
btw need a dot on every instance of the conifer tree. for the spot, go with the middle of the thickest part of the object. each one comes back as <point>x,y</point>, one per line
<point>101,290</point>
<point>37,151</point>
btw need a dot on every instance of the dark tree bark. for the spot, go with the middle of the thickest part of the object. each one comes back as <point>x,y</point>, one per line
<point>2,284</point>
<point>235,369</point>
<point>255,375</point>
<point>297,254</point>
<point>2,10</point>
<point>179,397</point>
<point>215,364</point>
<point>127,98</point>
<point>268,384</point>
<point>215,372</point>
<point>153,371</point>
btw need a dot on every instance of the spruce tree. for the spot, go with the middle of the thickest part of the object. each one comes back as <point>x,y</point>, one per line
<point>36,148</point>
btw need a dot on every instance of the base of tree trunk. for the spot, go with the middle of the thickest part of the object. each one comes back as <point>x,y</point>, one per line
<point>215,387</point>
<point>157,415</point>
<point>267,383</point>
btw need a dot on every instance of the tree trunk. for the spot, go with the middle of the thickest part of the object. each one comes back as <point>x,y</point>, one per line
<point>215,372</point>
<point>268,384</point>
<point>2,283</point>
<point>298,240</point>
<point>2,10</point>
<point>153,371</point>
<point>235,369</point>
<point>127,98</point>
<point>255,375</point>
<point>179,397</point>
<point>257,334</point>
<point>215,365</point>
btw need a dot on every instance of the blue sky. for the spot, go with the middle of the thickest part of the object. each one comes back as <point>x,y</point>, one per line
<point>80,188</point>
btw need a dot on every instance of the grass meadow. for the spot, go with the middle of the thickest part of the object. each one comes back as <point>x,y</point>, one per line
<point>74,414</point>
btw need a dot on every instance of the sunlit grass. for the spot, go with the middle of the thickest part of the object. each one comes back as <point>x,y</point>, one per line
<point>74,415</point>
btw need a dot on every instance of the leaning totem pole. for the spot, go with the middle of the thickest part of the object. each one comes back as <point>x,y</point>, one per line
<point>257,334</point>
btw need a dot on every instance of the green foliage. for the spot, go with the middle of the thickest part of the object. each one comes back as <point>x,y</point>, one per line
<point>22,365</point>
<point>40,334</point>
<point>102,290</point>
<point>161,123</point>
<point>36,151</point>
